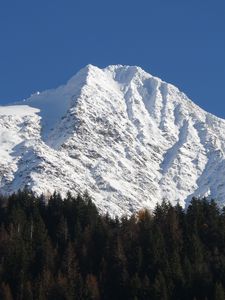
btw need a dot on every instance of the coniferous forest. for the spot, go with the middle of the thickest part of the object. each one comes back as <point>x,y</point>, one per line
<point>67,250</point>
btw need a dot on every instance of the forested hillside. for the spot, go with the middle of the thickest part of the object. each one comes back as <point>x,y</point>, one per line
<point>67,250</point>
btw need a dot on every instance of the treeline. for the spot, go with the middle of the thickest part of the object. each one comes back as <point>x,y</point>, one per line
<point>67,250</point>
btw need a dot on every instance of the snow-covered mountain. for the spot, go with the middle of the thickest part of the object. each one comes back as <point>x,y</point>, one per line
<point>127,137</point>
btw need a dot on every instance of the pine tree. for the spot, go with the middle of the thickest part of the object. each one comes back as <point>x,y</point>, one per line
<point>6,293</point>
<point>28,293</point>
<point>135,287</point>
<point>70,269</point>
<point>219,293</point>
<point>160,288</point>
<point>92,289</point>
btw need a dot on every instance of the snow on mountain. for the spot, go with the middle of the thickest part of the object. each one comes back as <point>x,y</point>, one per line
<point>128,138</point>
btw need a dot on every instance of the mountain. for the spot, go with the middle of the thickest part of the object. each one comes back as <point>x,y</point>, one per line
<point>128,138</point>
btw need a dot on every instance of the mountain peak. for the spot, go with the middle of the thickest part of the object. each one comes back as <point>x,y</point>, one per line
<point>127,137</point>
<point>118,72</point>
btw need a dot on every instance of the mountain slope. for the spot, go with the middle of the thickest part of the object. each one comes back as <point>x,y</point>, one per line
<point>127,137</point>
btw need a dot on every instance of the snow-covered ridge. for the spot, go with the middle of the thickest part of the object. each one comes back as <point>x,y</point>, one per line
<point>127,137</point>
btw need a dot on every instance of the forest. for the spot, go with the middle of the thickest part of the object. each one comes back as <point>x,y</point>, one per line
<point>65,249</point>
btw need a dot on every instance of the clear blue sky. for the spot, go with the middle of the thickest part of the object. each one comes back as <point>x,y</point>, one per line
<point>43,43</point>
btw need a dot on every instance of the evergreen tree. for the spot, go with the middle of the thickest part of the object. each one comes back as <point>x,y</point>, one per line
<point>159,287</point>
<point>219,293</point>
<point>92,289</point>
<point>6,293</point>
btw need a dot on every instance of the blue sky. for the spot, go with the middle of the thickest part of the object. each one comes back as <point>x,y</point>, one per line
<point>43,43</point>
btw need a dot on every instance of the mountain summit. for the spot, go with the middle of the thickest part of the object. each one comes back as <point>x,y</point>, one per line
<point>128,138</point>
